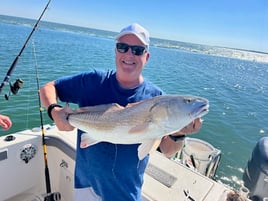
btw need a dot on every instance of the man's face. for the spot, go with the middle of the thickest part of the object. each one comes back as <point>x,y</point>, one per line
<point>128,65</point>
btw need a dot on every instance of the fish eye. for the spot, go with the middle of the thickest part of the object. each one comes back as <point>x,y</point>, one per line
<point>188,100</point>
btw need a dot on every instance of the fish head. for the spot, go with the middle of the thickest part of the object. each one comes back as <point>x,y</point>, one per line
<point>195,106</point>
<point>177,111</point>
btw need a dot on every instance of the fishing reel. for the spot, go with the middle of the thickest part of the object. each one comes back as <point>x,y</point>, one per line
<point>14,88</point>
<point>53,196</point>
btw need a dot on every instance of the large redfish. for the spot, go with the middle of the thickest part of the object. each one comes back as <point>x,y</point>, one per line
<point>143,122</point>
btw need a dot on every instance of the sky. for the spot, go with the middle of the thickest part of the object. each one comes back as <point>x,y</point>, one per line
<point>241,24</point>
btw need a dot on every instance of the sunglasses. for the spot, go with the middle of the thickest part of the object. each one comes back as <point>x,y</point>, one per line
<point>135,49</point>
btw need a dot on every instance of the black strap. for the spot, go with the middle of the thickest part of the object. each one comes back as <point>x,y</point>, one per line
<point>177,138</point>
<point>50,108</point>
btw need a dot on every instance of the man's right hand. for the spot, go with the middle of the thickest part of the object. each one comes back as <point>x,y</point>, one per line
<point>60,118</point>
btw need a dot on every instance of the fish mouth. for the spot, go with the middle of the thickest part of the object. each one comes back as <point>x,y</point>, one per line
<point>201,111</point>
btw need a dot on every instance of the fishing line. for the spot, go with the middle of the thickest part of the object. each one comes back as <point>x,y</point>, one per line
<point>50,196</point>
<point>18,83</point>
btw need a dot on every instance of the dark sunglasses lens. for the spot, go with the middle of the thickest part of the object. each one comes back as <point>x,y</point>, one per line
<point>137,50</point>
<point>122,47</point>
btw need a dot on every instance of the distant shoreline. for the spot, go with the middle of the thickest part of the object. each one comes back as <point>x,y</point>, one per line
<point>235,53</point>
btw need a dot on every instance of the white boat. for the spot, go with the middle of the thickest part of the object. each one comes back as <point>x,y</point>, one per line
<point>22,171</point>
<point>25,161</point>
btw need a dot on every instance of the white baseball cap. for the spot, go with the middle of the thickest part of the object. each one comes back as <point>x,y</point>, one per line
<point>138,31</point>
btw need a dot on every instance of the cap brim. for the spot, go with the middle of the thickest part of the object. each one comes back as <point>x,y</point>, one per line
<point>130,32</point>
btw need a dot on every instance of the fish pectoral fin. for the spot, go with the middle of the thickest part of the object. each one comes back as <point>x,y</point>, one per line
<point>87,140</point>
<point>139,129</point>
<point>147,147</point>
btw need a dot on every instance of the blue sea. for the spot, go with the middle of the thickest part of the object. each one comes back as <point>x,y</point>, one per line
<point>235,81</point>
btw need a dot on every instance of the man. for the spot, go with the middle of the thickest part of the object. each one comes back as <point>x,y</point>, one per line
<point>107,171</point>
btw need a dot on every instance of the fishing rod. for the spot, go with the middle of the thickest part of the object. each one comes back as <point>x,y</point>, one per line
<point>14,89</point>
<point>56,196</point>
<point>18,84</point>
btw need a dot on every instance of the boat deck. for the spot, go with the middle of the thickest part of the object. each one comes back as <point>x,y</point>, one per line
<point>164,180</point>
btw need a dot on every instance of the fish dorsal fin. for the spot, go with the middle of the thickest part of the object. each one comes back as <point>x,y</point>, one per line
<point>115,107</point>
<point>148,147</point>
<point>101,108</point>
<point>133,104</point>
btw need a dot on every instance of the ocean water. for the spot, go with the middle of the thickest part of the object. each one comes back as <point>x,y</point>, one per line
<point>234,81</point>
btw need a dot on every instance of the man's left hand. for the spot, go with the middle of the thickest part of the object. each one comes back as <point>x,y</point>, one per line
<point>193,127</point>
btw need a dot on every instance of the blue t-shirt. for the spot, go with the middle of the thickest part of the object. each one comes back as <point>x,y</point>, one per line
<point>113,170</point>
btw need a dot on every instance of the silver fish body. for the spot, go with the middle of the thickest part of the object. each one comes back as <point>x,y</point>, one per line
<point>142,122</point>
